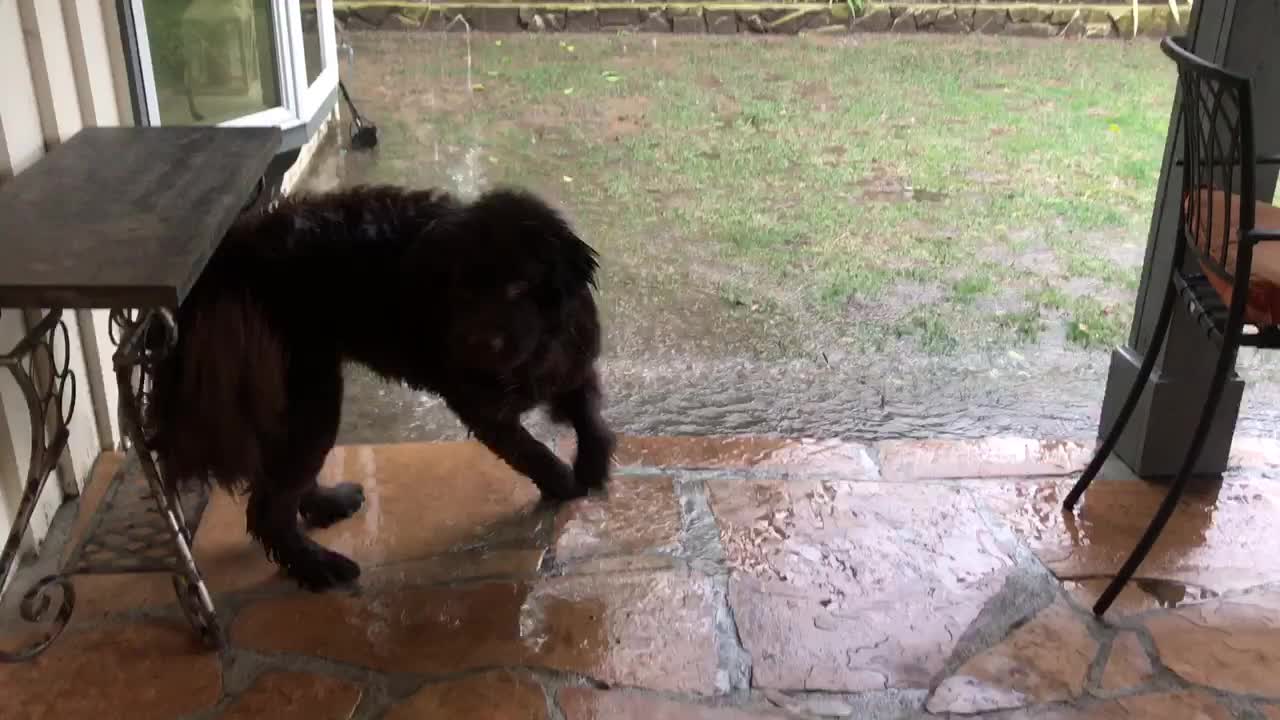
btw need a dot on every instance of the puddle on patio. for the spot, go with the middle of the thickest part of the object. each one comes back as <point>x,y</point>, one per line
<point>1148,592</point>
<point>683,355</point>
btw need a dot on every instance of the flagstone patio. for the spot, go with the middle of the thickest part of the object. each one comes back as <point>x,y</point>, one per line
<point>721,579</point>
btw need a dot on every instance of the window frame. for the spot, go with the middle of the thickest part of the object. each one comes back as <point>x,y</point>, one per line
<point>302,107</point>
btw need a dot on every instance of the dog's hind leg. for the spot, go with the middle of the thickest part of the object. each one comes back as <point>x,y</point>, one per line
<point>581,408</point>
<point>508,439</point>
<point>324,505</point>
<point>273,520</point>
<point>314,408</point>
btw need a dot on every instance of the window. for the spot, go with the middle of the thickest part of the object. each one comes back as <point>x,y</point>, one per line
<point>235,62</point>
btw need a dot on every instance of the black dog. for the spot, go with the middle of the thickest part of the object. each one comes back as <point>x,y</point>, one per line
<point>488,304</point>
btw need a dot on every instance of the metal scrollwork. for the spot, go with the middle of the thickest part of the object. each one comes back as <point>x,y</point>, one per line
<point>143,339</point>
<point>38,608</point>
<point>50,371</point>
<point>40,365</point>
<point>141,525</point>
<point>198,609</point>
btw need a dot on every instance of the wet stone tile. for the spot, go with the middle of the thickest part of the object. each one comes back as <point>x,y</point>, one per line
<point>1137,597</point>
<point>1186,705</point>
<point>1254,454</point>
<point>1231,644</point>
<point>1044,661</point>
<point>652,630</point>
<point>848,460</point>
<point>478,564</point>
<point>622,564</point>
<point>1220,538</point>
<point>100,596</point>
<point>104,470</point>
<point>640,515</point>
<point>497,695</point>
<point>1128,666</point>
<point>904,460</point>
<point>811,704</point>
<point>295,696</point>
<point>128,671</point>
<point>421,499</point>
<point>585,704</point>
<point>846,586</point>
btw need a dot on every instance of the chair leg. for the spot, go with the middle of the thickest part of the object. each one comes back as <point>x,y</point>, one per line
<point>1225,361</point>
<point>1163,320</point>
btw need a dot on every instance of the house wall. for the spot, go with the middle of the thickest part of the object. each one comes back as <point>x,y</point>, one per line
<point>60,75</point>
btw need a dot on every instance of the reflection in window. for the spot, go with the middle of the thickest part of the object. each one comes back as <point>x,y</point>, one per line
<point>311,42</point>
<point>214,60</point>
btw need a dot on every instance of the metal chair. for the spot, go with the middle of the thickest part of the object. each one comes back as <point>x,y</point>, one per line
<point>1235,279</point>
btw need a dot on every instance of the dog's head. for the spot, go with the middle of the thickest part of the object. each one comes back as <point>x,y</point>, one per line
<point>518,273</point>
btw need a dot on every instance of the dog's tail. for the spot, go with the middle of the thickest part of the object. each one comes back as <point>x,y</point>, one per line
<point>219,397</point>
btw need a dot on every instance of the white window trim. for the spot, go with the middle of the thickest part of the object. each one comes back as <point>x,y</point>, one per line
<point>300,104</point>
<point>150,102</point>
<point>310,98</point>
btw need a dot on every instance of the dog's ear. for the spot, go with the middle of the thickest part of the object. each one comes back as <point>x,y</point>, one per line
<point>570,263</point>
<point>576,262</point>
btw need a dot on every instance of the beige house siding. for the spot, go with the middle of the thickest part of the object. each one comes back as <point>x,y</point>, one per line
<point>59,76</point>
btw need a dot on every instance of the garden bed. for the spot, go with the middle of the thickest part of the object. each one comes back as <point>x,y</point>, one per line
<point>1064,20</point>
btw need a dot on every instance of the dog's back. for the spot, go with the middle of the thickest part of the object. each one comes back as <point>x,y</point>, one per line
<point>489,304</point>
<point>277,287</point>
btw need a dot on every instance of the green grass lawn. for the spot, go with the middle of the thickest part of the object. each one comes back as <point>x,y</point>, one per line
<point>941,195</point>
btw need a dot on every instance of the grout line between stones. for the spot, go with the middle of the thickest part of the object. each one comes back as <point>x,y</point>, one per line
<point>700,544</point>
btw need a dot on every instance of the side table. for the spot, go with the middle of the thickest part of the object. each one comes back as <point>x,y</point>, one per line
<point>122,219</point>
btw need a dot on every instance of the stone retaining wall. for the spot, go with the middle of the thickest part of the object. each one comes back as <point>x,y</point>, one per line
<point>1022,20</point>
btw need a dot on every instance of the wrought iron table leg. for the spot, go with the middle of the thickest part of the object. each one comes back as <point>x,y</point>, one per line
<point>145,339</point>
<point>48,387</point>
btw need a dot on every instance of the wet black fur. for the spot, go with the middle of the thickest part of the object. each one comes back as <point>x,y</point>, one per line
<point>489,304</point>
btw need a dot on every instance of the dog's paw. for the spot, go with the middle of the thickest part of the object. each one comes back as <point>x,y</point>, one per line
<point>321,569</point>
<point>592,472</point>
<point>325,506</point>
<point>592,464</point>
<point>560,485</point>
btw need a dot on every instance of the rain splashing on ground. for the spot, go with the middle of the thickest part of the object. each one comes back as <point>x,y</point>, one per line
<point>739,298</point>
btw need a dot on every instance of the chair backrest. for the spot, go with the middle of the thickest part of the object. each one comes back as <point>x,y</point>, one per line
<point>1218,173</point>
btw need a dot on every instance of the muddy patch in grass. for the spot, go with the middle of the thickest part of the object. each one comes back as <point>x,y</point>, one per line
<point>895,189</point>
<point>541,117</point>
<point>817,92</point>
<point>834,155</point>
<point>1123,252</point>
<point>624,116</point>
<point>728,112</point>
<point>545,123</point>
<point>1024,251</point>
<point>1078,287</point>
<point>895,302</point>
<point>648,56</point>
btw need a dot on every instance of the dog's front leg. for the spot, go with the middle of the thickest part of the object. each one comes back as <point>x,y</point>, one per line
<point>508,439</point>
<point>581,408</point>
